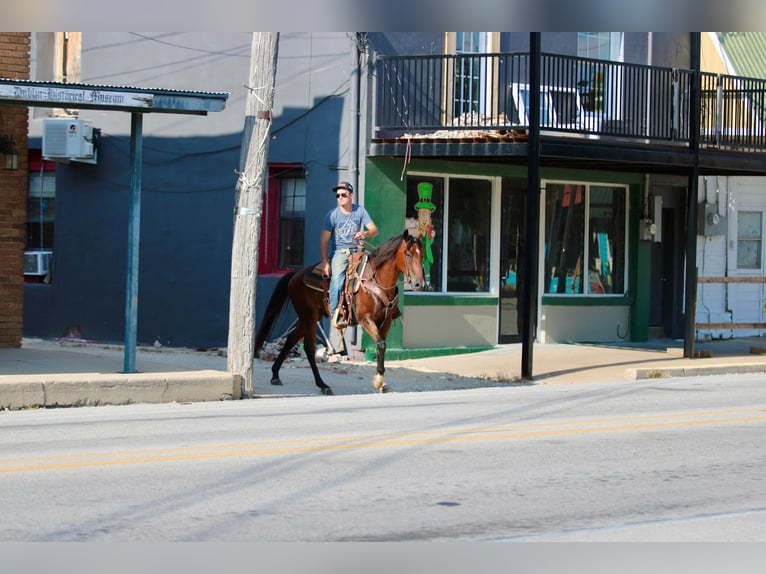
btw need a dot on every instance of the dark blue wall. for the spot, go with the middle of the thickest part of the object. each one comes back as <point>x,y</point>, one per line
<point>185,245</point>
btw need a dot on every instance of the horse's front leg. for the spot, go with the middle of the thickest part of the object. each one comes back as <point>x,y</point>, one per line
<point>378,381</point>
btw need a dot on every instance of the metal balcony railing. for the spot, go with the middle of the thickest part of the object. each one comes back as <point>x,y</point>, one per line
<point>455,94</point>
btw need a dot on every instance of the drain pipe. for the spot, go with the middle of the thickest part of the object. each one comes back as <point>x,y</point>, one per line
<point>357,48</point>
<point>355,124</point>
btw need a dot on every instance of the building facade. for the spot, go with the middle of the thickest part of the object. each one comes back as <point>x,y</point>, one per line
<point>14,63</point>
<point>431,128</point>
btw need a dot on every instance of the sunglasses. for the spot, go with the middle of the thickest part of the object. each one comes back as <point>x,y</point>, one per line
<point>343,194</point>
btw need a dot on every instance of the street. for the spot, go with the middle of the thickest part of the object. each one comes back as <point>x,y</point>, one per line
<point>677,459</point>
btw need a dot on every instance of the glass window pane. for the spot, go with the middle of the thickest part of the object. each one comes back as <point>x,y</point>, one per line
<point>749,239</point>
<point>606,220</point>
<point>291,244</point>
<point>594,45</point>
<point>292,215</point>
<point>749,225</point>
<point>564,236</point>
<point>468,233</point>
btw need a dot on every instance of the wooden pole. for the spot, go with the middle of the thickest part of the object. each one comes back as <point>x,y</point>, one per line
<point>248,205</point>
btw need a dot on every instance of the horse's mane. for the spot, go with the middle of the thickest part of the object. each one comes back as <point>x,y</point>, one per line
<point>387,250</point>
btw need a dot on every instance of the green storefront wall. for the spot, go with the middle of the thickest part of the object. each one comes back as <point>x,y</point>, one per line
<point>385,198</point>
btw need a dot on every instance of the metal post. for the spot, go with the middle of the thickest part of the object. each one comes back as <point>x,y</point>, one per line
<point>134,230</point>
<point>692,197</point>
<point>529,285</point>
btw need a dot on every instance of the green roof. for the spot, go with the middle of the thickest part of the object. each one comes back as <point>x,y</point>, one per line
<point>746,52</point>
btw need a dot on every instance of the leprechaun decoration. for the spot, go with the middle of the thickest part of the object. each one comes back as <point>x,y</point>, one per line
<point>425,229</point>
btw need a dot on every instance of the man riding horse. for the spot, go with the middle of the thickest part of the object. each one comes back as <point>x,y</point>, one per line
<point>343,229</point>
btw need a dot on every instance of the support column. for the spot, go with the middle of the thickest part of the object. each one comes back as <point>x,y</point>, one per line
<point>134,232</point>
<point>529,291</point>
<point>692,198</point>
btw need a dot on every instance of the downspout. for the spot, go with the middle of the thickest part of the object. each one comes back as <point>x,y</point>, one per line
<point>355,124</point>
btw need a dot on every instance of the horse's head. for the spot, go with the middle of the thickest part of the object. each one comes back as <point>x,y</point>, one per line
<point>409,260</point>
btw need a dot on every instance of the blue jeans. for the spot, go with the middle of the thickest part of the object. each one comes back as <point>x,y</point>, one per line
<point>338,266</point>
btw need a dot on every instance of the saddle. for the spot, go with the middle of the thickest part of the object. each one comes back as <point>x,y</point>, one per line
<point>316,280</point>
<point>357,268</point>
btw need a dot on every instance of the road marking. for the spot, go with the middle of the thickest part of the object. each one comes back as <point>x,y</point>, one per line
<point>330,443</point>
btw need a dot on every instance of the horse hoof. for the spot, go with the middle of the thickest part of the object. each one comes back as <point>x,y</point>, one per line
<point>276,382</point>
<point>327,391</point>
<point>378,382</point>
<point>385,389</point>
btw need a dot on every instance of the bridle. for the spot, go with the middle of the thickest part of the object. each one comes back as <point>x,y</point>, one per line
<point>380,291</point>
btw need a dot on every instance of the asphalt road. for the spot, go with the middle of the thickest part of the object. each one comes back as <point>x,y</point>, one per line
<point>667,460</point>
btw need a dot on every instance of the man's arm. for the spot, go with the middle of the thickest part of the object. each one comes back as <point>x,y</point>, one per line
<point>324,242</point>
<point>372,231</point>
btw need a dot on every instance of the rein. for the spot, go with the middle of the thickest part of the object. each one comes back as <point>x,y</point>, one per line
<point>372,285</point>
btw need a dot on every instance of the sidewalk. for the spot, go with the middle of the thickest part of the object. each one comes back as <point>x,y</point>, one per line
<point>50,373</point>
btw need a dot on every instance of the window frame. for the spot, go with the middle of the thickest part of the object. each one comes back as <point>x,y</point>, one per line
<point>270,239</point>
<point>587,185</point>
<point>442,238</point>
<point>750,240</point>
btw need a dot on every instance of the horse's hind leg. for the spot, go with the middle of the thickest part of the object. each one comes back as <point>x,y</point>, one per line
<point>309,346</point>
<point>290,341</point>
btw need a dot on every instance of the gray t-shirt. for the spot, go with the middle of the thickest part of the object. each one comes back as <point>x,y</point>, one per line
<point>344,226</point>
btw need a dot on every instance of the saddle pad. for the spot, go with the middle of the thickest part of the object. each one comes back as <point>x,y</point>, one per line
<point>314,279</point>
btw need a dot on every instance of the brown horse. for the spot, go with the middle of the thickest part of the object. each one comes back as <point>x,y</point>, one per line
<point>375,304</point>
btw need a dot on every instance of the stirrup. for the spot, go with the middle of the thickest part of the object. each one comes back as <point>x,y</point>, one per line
<point>338,322</point>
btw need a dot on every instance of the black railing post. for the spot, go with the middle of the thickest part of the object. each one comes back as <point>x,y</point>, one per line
<point>529,281</point>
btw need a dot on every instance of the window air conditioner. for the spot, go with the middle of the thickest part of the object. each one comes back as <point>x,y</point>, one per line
<point>67,139</point>
<point>37,262</point>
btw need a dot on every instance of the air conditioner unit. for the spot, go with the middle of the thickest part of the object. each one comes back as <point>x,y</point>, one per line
<point>37,262</point>
<point>66,139</point>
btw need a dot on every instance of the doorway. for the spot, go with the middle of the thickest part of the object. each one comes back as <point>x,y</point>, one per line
<point>513,206</point>
<point>666,317</point>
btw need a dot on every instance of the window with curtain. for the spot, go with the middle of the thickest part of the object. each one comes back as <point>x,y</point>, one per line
<point>596,82</point>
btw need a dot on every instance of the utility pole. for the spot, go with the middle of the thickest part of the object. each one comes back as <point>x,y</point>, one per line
<point>248,205</point>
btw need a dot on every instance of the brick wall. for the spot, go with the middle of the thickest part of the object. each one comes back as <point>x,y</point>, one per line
<point>14,63</point>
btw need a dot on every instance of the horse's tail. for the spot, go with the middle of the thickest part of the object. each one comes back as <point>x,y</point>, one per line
<point>276,304</point>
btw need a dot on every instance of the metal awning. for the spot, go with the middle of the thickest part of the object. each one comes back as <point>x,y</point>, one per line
<point>138,101</point>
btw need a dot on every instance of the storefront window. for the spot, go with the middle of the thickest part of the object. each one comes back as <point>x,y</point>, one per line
<point>461,206</point>
<point>571,239</point>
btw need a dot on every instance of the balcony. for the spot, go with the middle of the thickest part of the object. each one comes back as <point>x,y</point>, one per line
<point>484,98</point>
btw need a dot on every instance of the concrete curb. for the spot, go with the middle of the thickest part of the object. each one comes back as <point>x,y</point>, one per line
<point>77,389</point>
<point>667,372</point>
